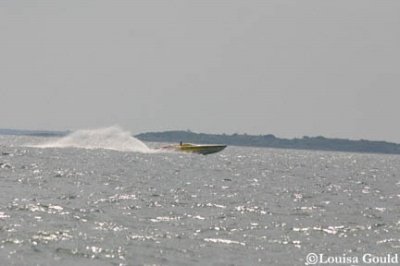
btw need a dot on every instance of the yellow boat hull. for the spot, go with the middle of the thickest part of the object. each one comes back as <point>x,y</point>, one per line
<point>194,148</point>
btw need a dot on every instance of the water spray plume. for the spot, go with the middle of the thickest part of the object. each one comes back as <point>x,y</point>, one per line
<point>110,138</point>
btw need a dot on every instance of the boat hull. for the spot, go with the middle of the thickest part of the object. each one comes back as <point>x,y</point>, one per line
<point>193,148</point>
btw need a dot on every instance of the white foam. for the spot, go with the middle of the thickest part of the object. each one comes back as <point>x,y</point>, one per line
<point>110,138</point>
<point>224,241</point>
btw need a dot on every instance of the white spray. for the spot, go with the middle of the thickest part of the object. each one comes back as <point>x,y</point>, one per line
<point>110,138</point>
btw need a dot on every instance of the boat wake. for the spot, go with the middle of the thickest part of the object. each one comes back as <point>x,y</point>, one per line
<point>110,138</point>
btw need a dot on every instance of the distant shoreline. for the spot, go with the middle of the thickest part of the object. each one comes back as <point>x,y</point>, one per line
<point>270,141</point>
<point>33,133</point>
<point>263,141</point>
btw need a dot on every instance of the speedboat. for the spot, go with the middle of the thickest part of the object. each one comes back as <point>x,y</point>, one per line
<point>196,148</point>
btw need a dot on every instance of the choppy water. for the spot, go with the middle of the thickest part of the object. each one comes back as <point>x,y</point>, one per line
<point>243,206</point>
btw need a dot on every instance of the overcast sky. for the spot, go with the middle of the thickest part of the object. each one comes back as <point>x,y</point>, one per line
<point>289,68</point>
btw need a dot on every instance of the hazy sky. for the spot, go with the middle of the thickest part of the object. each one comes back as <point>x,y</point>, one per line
<point>290,68</point>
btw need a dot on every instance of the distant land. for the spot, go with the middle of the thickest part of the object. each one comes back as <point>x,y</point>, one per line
<point>267,141</point>
<point>270,141</point>
<point>35,133</point>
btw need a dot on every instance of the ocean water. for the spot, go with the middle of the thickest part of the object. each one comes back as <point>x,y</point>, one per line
<point>77,202</point>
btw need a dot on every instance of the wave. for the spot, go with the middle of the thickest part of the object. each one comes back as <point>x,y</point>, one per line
<point>110,138</point>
